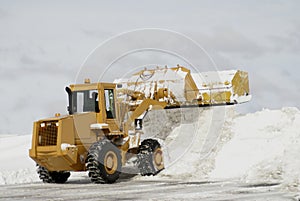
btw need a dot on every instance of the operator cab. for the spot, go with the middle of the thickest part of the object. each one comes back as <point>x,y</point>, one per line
<point>97,97</point>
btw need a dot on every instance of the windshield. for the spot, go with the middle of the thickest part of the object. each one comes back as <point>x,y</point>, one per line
<point>83,101</point>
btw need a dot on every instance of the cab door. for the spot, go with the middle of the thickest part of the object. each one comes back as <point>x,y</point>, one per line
<point>111,111</point>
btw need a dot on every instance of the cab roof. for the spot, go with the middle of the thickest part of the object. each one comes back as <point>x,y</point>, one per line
<point>92,86</point>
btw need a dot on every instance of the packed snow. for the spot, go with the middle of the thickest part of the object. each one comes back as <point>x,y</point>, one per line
<point>218,144</point>
<point>16,166</point>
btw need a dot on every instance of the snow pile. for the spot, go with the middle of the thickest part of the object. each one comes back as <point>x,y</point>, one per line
<point>190,150</point>
<point>262,147</point>
<point>18,176</point>
<point>284,165</point>
<point>216,78</point>
<point>16,166</point>
<point>265,148</point>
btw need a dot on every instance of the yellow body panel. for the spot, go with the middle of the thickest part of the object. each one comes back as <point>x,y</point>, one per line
<point>72,131</point>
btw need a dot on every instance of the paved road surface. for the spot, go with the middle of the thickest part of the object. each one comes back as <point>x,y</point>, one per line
<point>127,188</point>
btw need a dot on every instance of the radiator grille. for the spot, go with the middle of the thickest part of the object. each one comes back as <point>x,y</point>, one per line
<point>48,133</point>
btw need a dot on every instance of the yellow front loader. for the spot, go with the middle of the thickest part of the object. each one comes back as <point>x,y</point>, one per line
<point>104,126</point>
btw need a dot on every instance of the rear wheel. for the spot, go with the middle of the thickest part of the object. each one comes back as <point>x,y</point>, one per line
<point>104,162</point>
<point>150,158</point>
<point>52,176</point>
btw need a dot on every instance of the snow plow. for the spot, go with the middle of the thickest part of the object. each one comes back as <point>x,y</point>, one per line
<point>105,122</point>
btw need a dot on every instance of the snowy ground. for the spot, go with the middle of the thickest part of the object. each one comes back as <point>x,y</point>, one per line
<point>254,153</point>
<point>130,189</point>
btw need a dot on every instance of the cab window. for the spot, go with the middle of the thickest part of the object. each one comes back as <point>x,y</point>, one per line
<point>85,101</point>
<point>109,103</point>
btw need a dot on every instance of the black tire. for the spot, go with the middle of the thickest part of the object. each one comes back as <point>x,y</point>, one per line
<point>103,162</point>
<point>150,158</point>
<point>52,177</point>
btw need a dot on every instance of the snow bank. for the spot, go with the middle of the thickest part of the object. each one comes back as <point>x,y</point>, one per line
<point>265,149</point>
<point>190,150</point>
<point>16,166</point>
<point>261,147</point>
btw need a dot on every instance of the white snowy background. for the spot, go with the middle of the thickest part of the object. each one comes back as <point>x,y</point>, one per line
<point>44,43</point>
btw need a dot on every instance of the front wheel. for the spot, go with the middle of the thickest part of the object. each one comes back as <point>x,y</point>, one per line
<point>150,158</point>
<point>52,177</point>
<point>103,162</point>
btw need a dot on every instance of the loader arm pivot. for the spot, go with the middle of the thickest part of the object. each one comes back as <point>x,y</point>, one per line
<point>143,107</point>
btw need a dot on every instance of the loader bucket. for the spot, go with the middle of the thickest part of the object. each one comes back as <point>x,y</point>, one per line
<point>179,87</point>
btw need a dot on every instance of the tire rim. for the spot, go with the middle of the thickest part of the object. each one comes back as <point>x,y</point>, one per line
<point>158,159</point>
<point>110,162</point>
